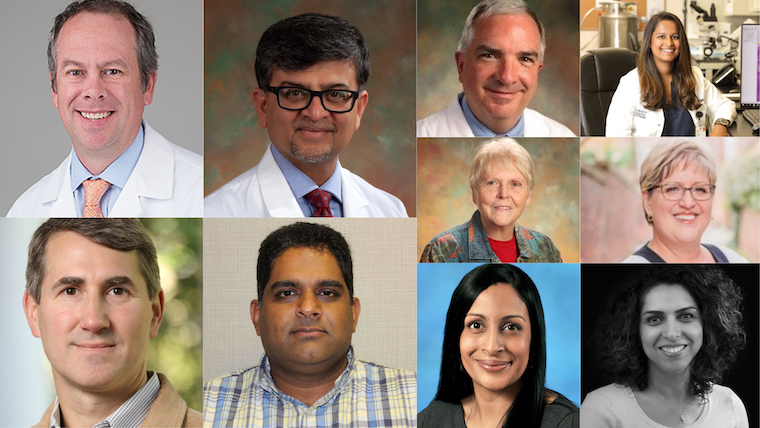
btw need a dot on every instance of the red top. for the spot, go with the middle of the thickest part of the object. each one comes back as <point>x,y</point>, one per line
<point>506,251</point>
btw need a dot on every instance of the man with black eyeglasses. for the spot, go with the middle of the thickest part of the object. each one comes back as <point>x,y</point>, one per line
<point>311,71</point>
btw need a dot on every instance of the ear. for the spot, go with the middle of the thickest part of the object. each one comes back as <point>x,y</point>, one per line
<point>255,313</point>
<point>148,94</point>
<point>30,309</point>
<point>646,200</point>
<point>527,201</point>
<point>157,305</point>
<point>474,196</point>
<point>356,307</point>
<point>260,104</point>
<point>52,91</point>
<point>361,104</point>
<point>540,66</point>
<point>459,59</point>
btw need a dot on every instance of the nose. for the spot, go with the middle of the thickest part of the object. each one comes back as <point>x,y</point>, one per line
<point>507,71</point>
<point>503,191</point>
<point>93,87</point>
<point>493,342</point>
<point>309,306</point>
<point>687,200</point>
<point>315,110</point>
<point>94,314</point>
<point>672,330</point>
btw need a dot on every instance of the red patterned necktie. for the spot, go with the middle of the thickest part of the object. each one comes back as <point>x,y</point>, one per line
<point>320,200</point>
<point>93,192</point>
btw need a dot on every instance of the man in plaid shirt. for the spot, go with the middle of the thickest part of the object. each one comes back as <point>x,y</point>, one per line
<point>309,376</point>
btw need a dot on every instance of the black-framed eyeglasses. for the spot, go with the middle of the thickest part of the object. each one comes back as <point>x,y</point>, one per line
<point>333,100</point>
<point>675,191</point>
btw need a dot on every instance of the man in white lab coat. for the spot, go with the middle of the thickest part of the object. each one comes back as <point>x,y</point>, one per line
<point>498,59</point>
<point>311,71</point>
<point>103,68</point>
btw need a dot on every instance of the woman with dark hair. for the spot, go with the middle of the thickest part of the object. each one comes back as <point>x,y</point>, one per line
<point>665,95</point>
<point>665,341</point>
<point>493,362</point>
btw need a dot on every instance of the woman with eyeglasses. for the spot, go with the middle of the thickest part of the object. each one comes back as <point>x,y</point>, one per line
<point>677,186</point>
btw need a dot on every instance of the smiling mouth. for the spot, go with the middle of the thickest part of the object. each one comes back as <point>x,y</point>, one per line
<point>95,116</point>
<point>686,217</point>
<point>672,349</point>
<point>503,208</point>
<point>493,366</point>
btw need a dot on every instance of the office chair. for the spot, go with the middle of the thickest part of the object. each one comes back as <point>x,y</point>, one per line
<point>601,70</point>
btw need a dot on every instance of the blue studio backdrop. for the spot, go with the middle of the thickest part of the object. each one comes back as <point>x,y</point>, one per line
<point>559,287</point>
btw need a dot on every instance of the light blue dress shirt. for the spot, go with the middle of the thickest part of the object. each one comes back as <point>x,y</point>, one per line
<point>301,184</point>
<point>481,130</point>
<point>117,174</point>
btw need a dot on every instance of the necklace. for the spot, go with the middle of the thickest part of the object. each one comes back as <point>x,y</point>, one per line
<point>680,415</point>
<point>470,414</point>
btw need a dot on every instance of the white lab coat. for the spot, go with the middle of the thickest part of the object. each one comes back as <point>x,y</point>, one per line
<point>263,191</point>
<point>452,123</point>
<point>627,116</point>
<point>167,182</point>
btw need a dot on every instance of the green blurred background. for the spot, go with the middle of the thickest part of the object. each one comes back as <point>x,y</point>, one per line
<point>177,350</point>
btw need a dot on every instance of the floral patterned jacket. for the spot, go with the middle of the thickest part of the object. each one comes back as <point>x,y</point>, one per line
<point>468,243</point>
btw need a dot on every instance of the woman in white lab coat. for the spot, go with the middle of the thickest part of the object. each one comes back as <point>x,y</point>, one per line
<point>665,95</point>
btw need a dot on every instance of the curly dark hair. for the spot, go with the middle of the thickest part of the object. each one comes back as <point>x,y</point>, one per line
<point>718,299</point>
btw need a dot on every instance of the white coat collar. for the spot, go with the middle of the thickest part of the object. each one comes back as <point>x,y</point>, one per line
<point>272,184</point>
<point>153,177</point>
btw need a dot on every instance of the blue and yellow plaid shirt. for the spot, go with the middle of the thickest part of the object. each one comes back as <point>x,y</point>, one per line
<point>364,395</point>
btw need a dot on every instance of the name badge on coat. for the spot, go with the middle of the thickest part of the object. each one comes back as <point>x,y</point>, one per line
<point>640,113</point>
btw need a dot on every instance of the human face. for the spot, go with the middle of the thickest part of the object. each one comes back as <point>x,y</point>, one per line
<point>670,328</point>
<point>98,92</point>
<point>499,70</point>
<point>94,316</point>
<point>495,342</point>
<point>501,195</point>
<point>679,222</point>
<point>666,42</point>
<point>305,317</point>
<point>312,135</point>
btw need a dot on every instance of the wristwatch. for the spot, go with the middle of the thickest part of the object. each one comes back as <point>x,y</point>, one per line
<point>724,122</point>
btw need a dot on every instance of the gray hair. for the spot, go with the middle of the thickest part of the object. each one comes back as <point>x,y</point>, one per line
<point>505,151</point>
<point>147,57</point>
<point>488,8</point>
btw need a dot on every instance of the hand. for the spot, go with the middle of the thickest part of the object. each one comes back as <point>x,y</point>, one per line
<point>719,131</point>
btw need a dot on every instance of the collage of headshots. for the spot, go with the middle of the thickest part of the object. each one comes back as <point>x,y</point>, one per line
<point>551,213</point>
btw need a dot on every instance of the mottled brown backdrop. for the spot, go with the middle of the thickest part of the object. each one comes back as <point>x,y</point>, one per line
<point>382,151</point>
<point>445,198</point>
<point>440,25</point>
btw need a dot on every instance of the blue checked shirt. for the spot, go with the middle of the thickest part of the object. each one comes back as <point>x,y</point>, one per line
<point>365,395</point>
<point>130,414</point>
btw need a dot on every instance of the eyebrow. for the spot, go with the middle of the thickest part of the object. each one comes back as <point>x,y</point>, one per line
<point>324,87</point>
<point>678,311</point>
<point>504,318</point>
<point>286,283</point>
<point>110,281</point>
<point>70,62</point>
<point>490,49</point>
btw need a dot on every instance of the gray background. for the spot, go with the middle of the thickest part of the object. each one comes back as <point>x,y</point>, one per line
<point>34,140</point>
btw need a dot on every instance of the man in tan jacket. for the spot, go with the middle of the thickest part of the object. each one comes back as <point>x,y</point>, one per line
<point>93,295</point>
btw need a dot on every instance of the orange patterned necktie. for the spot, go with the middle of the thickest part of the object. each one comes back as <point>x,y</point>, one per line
<point>321,201</point>
<point>93,192</point>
